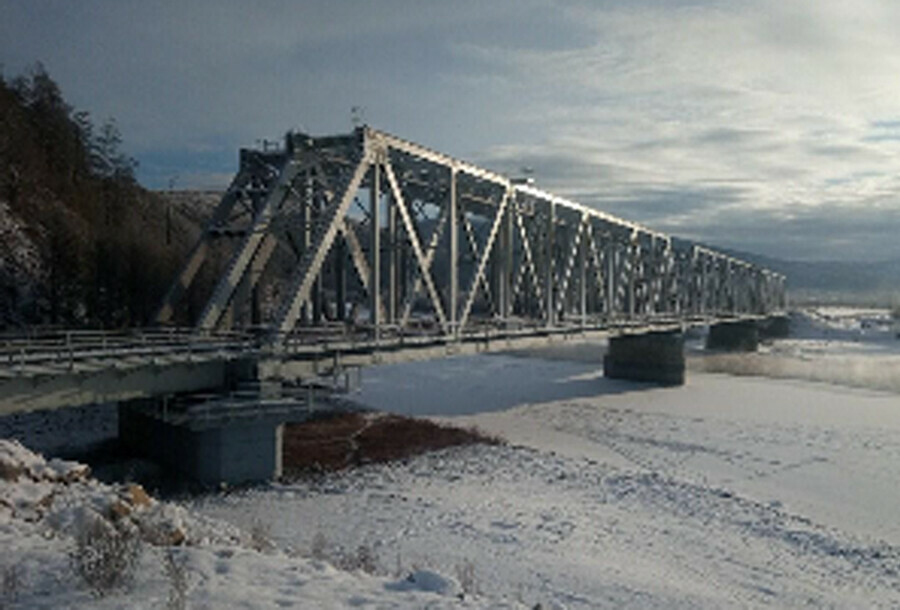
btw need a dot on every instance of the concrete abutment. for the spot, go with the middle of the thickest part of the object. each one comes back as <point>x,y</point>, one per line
<point>775,327</point>
<point>654,357</point>
<point>226,452</point>
<point>734,336</point>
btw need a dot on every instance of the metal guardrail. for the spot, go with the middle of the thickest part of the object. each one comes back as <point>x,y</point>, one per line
<point>59,351</point>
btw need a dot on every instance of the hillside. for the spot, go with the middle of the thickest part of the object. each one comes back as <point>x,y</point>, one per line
<point>81,242</point>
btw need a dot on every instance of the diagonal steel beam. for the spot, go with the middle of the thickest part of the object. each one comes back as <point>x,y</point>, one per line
<point>529,261</point>
<point>425,273</point>
<point>473,249</point>
<point>597,263</point>
<point>430,253</point>
<point>482,263</point>
<point>198,254</point>
<point>224,290</point>
<point>359,258</point>
<point>570,265</point>
<point>311,264</point>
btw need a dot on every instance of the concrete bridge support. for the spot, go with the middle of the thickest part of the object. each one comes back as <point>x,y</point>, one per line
<point>655,357</point>
<point>775,327</point>
<point>734,336</point>
<point>235,452</point>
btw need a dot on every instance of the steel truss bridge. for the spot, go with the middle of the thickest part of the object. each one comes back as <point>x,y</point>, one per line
<point>341,250</point>
<point>392,237</point>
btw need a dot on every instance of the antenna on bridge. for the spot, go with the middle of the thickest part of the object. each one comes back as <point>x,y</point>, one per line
<point>357,116</point>
<point>527,176</point>
<point>172,180</point>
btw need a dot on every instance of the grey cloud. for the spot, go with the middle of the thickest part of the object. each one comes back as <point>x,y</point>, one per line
<point>830,232</point>
<point>763,125</point>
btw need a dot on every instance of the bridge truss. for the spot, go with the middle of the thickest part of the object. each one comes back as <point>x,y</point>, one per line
<point>373,234</point>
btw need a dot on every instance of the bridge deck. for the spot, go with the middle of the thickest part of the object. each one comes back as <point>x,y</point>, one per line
<point>45,372</point>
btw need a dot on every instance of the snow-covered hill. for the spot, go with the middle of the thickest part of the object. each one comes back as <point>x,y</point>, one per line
<point>46,507</point>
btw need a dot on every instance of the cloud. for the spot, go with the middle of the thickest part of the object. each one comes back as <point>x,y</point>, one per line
<point>759,124</point>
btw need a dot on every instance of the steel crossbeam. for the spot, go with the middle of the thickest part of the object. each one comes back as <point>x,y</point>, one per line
<point>444,248</point>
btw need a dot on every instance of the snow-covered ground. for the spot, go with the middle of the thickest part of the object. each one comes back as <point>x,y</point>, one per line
<point>46,506</point>
<point>727,492</point>
<point>731,491</point>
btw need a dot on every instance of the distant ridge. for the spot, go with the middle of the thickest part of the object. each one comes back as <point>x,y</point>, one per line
<point>858,282</point>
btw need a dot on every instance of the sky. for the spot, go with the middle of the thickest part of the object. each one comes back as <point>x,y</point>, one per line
<point>769,126</point>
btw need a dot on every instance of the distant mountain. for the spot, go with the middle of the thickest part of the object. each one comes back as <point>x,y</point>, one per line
<point>851,281</point>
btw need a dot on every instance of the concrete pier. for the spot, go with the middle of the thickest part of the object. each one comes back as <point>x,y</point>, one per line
<point>737,336</point>
<point>775,327</point>
<point>227,452</point>
<point>656,357</point>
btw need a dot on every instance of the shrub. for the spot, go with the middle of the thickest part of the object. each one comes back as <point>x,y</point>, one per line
<point>364,560</point>
<point>10,586</point>
<point>175,567</point>
<point>106,555</point>
<point>465,574</point>
<point>319,547</point>
<point>261,537</point>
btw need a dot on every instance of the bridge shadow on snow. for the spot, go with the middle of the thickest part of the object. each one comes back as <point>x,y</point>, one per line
<point>467,385</point>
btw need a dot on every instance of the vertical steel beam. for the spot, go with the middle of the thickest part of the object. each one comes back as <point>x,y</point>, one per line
<point>375,248</point>
<point>506,266</point>
<point>392,259</point>
<point>340,278</point>
<point>306,205</point>
<point>704,284</point>
<point>634,254</point>
<point>549,262</point>
<point>582,264</point>
<point>611,280</point>
<point>454,253</point>
<point>318,294</point>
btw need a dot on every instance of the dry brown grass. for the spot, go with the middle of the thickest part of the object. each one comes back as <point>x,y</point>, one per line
<point>351,439</point>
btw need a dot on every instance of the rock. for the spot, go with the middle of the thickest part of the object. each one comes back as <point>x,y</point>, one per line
<point>119,510</point>
<point>135,495</point>
<point>65,471</point>
<point>45,502</point>
<point>163,535</point>
<point>177,537</point>
<point>426,580</point>
<point>10,471</point>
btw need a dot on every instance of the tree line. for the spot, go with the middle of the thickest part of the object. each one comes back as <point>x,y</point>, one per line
<point>82,243</point>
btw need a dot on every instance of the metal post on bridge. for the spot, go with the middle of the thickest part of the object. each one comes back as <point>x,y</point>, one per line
<point>375,250</point>
<point>454,254</point>
<point>549,256</point>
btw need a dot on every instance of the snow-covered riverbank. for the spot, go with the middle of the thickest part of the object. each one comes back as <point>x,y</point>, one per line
<point>727,492</point>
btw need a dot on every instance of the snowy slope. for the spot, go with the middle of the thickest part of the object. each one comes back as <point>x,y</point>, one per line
<point>45,504</point>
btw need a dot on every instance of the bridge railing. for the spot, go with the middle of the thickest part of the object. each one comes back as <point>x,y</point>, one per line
<point>59,348</point>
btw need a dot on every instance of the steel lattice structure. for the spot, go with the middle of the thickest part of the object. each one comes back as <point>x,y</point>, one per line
<point>375,233</point>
